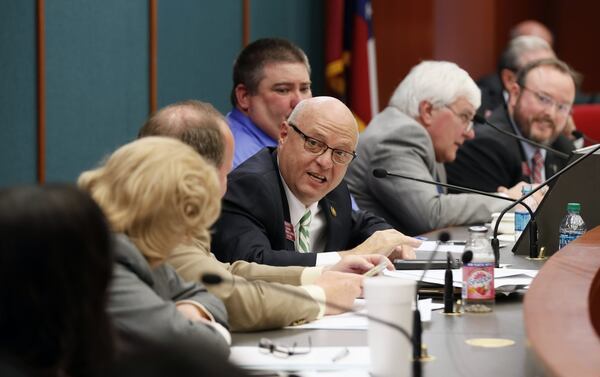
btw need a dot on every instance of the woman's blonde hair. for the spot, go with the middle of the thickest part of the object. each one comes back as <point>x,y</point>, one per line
<point>158,191</point>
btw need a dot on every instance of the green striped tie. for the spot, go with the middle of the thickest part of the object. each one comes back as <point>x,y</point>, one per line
<point>303,233</point>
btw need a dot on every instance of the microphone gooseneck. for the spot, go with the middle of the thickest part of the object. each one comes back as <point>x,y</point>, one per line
<point>495,241</point>
<point>382,173</point>
<point>481,119</point>
<point>533,242</point>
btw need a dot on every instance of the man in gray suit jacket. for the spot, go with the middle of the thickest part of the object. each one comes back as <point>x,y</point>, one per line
<point>429,116</point>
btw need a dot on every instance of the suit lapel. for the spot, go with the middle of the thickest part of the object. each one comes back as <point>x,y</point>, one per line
<point>333,224</point>
<point>284,208</point>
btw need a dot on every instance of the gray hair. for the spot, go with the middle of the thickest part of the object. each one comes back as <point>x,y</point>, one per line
<point>511,57</point>
<point>438,82</point>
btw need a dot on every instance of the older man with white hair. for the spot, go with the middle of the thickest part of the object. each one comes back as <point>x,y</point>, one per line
<point>428,118</point>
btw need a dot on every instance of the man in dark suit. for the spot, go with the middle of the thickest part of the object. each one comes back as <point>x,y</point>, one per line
<point>538,108</point>
<point>283,205</point>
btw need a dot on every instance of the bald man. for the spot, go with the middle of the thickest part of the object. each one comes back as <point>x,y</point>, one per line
<point>289,206</point>
<point>252,292</point>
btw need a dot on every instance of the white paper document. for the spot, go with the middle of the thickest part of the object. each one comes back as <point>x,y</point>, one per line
<point>502,276</point>
<point>319,358</point>
<point>442,248</point>
<point>353,321</point>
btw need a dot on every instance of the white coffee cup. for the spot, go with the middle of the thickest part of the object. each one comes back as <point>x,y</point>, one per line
<point>390,299</point>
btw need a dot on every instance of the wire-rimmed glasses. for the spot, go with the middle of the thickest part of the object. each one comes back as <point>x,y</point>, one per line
<point>266,345</point>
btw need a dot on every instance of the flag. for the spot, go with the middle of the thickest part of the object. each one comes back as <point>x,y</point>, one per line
<point>351,70</point>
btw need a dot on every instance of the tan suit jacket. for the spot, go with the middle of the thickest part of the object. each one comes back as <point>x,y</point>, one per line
<point>248,289</point>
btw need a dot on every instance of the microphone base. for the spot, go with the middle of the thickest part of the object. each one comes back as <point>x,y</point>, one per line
<point>452,313</point>
<point>536,258</point>
<point>425,356</point>
<point>425,359</point>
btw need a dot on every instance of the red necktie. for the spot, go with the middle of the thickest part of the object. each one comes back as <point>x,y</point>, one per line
<point>537,162</point>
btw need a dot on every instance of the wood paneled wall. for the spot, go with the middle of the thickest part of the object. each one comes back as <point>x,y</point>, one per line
<point>473,33</point>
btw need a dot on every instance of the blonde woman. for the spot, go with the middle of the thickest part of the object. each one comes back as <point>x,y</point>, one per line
<point>157,193</point>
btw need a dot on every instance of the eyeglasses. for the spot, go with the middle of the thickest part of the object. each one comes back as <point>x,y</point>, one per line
<point>316,147</point>
<point>266,345</point>
<point>548,102</point>
<point>465,119</point>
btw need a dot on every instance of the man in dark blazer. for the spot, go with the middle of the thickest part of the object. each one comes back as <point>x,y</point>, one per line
<point>538,108</point>
<point>270,196</point>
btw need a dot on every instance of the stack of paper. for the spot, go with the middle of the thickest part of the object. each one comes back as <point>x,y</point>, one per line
<point>507,278</point>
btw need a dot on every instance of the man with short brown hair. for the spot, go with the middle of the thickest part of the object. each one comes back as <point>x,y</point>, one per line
<point>270,77</point>
<point>539,106</point>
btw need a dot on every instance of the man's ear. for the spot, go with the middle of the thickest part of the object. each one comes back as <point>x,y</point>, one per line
<point>425,113</point>
<point>513,94</point>
<point>284,129</point>
<point>242,96</point>
<point>508,78</point>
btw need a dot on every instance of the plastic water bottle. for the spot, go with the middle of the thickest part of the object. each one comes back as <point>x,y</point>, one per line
<point>572,225</point>
<point>522,216</point>
<point>478,293</point>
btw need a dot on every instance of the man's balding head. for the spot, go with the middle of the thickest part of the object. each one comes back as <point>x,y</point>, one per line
<point>316,144</point>
<point>199,125</point>
<point>532,27</point>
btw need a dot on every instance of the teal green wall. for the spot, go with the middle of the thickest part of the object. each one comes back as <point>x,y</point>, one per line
<point>17,92</point>
<point>96,80</point>
<point>97,70</point>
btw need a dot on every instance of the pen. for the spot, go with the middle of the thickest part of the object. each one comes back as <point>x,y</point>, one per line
<point>377,269</point>
<point>343,353</point>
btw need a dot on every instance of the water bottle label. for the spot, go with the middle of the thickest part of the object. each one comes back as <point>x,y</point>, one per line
<point>521,220</point>
<point>566,237</point>
<point>478,279</point>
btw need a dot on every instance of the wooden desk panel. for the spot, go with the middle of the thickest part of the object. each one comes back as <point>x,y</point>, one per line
<point>562,309</point>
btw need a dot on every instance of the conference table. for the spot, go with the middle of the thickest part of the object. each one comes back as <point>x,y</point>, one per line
<point>445,336</point>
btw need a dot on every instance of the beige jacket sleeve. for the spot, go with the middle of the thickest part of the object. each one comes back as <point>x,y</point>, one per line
<point>252,303</point>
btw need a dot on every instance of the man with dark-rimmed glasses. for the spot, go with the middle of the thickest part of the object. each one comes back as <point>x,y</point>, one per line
<point>288,206</point>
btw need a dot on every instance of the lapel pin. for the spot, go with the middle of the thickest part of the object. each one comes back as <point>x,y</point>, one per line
<point>333,211</point>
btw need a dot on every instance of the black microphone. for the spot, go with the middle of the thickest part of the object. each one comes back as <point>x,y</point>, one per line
<point>533,241</point>
<point>532,253</point>
<point>448,287</point>
<point>417,323</point>
<point>215,279</point>
<point>481,119</point>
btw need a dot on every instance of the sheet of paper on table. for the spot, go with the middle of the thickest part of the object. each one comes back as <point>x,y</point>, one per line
<point>449,247</point>
<point>502,276</point>
<point>318,359</point>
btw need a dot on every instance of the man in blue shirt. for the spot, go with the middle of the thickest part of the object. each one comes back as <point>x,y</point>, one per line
<point>270,77</point>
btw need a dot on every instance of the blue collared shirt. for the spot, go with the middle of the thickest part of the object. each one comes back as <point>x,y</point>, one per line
<point>248,138</point>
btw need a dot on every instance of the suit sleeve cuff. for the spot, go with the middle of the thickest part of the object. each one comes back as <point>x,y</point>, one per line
<point>318,294</point>
<point>209,322</point>
<point>324,259</point>
<point>310,275</point>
